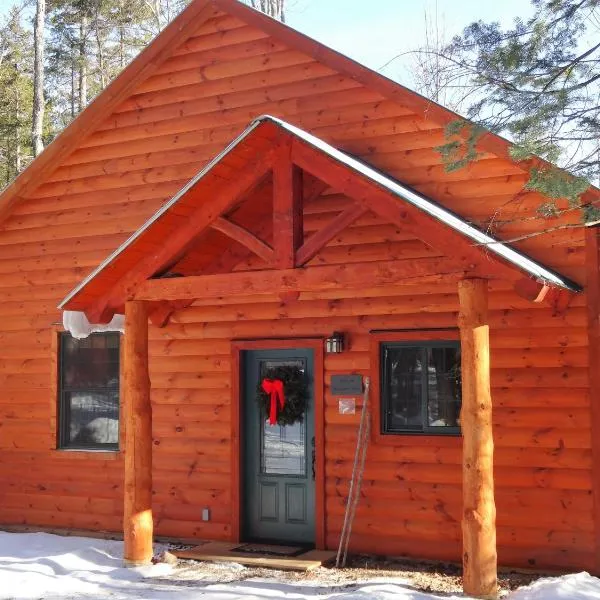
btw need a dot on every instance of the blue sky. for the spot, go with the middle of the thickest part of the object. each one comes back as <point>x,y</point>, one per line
<point>375,31</point>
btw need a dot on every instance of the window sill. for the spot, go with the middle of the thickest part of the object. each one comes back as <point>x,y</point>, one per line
<point>86,454</point>
<point>440,440</point>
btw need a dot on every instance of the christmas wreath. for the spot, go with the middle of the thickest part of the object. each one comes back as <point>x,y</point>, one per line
<point>282,394</point>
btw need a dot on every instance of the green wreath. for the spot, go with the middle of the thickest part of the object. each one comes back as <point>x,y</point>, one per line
<point>295,390</point>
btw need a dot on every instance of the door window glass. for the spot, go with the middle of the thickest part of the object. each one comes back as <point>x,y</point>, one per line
<point>283,447</point>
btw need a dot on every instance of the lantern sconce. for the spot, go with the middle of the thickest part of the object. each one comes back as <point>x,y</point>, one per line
<point>334,344</point>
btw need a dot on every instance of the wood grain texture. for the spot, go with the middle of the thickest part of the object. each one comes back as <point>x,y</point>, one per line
<point>137,514</point>
<point>69,218</point>
<point>480,571</point>
<point>592,242</point>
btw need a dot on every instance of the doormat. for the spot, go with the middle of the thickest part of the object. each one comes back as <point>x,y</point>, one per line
<point>270,550</point>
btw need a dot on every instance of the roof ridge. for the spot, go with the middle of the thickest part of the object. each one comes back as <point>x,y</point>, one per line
<point>190,19</point>
<point>435,210</point>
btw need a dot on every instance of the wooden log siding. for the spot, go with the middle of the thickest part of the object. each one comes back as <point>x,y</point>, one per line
<point>144,152</point>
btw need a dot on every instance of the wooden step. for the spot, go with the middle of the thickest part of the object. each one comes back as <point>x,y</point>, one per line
<point>226,552</point>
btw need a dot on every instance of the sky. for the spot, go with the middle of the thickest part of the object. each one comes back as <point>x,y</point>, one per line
<point>373,32</point>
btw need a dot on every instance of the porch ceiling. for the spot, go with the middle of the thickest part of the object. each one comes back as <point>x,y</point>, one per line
<point>231,199</point>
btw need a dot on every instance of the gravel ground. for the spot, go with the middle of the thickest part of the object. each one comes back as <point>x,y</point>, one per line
<point>436,578</point>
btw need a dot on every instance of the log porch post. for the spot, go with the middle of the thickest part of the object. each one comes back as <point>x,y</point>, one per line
<point>137,517</point>
<point>479,510</point>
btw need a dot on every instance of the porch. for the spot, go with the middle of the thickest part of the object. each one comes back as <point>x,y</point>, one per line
<point>253,194</point>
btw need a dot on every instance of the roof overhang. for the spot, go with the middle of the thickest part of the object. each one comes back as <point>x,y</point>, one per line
<point>183,26</point>
<point>247,160</point>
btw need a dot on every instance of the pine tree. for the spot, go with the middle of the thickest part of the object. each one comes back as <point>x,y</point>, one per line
<point>83,46</point>
<point>38,108</point>
<point>539,83</point>
<point>16,96</point>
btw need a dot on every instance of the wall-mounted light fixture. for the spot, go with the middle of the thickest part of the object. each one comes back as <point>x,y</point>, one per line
<point>334,344</point>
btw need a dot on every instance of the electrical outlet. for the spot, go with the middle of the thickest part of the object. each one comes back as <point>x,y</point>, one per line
<point>206,514</point>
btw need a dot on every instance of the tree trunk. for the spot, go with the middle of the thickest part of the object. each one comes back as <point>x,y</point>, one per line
<point>121,46</point>
<point>73,81</point>
<point>273,8</point>
<point>100,48</point>
<point>17,126</point>
<point>83,75</point>
<point>37,124</point>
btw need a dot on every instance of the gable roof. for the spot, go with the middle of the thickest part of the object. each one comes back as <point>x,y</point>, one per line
<point>217,186</point>
<point>198,12</point>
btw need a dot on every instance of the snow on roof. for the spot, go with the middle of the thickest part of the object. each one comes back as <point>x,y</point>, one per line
<point>488,243</point>
<point>432,208</point>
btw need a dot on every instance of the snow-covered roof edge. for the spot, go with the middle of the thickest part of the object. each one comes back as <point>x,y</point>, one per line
<point>432,208</point>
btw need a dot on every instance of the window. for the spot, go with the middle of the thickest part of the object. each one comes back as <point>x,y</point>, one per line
<point>89,392</point>
<point>420,387</point>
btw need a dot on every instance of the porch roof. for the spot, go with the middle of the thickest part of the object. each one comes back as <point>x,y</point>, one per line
<point>237,170</point>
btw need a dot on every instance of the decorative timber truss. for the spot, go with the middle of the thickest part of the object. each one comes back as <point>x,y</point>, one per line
<point>253,193</point>
<point>250,202</point>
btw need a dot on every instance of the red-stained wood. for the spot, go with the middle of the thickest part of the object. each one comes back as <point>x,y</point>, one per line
<point>237,349</point>
<point>122,87</point>
<point>183,221</point>
<point>71,218</point>
<point>318,240</point>
<point>246,180</point>
<point>297,280</point>
<point>191,19</point>
<point>402,214</point>
<point>287,209</point>
<point>531,290</point>
<point>429,111</point>
<point>159,313</point>
<point>480,571</point>
<point>244,237</point>
<point>592,255</point>
<point>137,517</point>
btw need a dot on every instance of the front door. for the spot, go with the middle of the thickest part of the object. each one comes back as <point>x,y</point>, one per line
<point>278,491</point>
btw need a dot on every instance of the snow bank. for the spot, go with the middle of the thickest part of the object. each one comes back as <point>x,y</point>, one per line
<point>581,586</point>
<point>40,565</point>
<point>35,565</point>
<point>50,567</point>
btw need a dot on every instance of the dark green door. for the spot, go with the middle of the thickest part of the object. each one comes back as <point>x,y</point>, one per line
<point>278,492</point>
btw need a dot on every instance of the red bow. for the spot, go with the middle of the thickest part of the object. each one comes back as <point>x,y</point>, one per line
<point>274,387</point>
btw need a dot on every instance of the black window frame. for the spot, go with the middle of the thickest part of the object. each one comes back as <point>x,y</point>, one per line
<point>385,428</point>
<point>64,408</point>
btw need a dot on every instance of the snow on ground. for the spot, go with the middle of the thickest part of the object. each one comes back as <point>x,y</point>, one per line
<point>49,567</point>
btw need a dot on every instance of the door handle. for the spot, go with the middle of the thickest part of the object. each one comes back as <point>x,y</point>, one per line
<point>314,457</point>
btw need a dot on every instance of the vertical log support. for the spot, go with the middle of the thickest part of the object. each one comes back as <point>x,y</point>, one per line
<point>287,210</point>
<point>479,510</point>
<point>137,518</point>
<point>592,290</point>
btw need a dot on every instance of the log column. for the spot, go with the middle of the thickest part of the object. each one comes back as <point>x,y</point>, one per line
<point>137,518</point>
<point>479,510</point>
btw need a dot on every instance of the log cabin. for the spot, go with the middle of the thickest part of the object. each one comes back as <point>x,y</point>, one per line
<point>255,203</point>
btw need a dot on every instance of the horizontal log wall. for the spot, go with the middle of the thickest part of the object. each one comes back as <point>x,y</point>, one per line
<point>203,95</point>
<point>411,500</point>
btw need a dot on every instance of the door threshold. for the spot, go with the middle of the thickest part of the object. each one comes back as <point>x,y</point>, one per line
<point>250,555</point>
